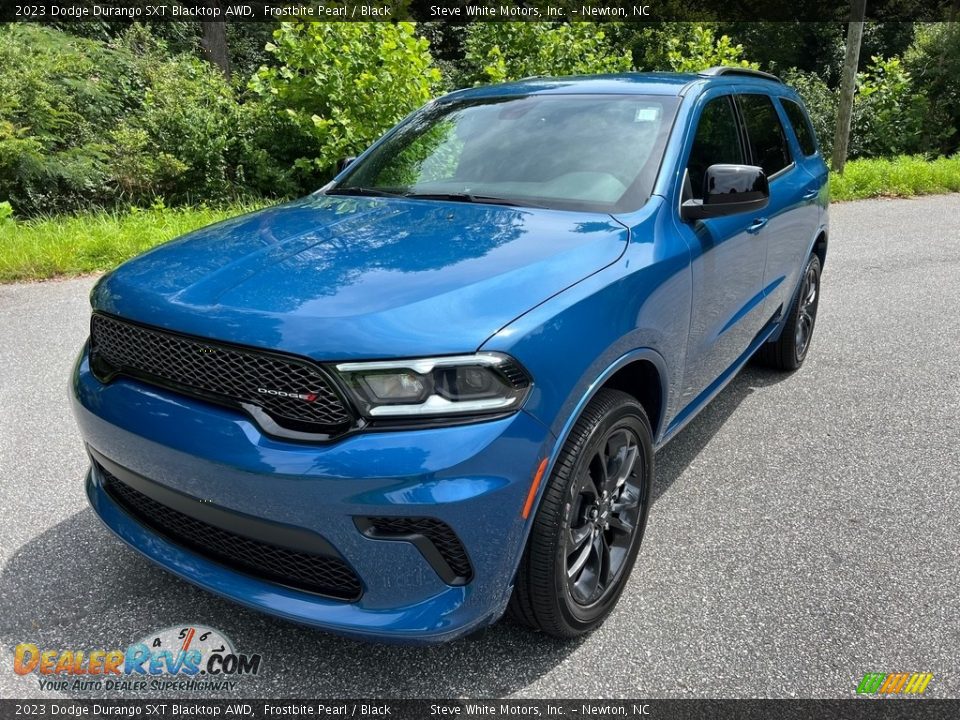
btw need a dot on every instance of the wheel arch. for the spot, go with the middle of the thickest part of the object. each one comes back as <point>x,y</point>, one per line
<point>632,373</point>
<point>820,247</point>
<point>640,378</point>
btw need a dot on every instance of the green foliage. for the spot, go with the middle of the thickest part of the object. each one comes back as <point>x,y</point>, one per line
<point>45,247</point>
<point>57,94</point>
<point>194,138</point>
<point>447,46</point>
<point>502,51</point>
<point>267,146</point>
<point>246,44</point>
<point>87,123</point>
<point>185,132</point>
<point>703,50</point>
<point>781,47</point>
<point>934,62</point>
<point>343,84</point>
<point>888,115</point>
<point>903,176</point>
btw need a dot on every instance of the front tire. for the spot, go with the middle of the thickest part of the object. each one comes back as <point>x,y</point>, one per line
<point>790,350</point>
<point>590,523</point>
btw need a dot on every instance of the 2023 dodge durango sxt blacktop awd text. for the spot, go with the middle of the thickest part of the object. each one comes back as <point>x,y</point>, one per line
<point>432,391</point>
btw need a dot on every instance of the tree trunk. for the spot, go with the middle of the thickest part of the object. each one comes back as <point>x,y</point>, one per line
<point>214,42</point>
<point>848,84</point>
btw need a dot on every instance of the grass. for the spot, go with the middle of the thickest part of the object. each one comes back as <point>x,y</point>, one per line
<point>903,176</point>
<point>76,244</point>
<point>72,245</point>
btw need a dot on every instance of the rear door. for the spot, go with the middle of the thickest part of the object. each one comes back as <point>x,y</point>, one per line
<point>727,253</point>
<point>792,217</point>
<point>803,140</point>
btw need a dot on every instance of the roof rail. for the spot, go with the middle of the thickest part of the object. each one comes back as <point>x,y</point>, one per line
<point>720,70</point>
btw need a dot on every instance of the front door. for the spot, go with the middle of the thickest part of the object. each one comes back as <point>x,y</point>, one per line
<point>727,257</point>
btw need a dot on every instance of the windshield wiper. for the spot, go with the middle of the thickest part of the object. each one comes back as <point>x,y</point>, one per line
<point>455,196</point>
<point>364,191</point>
<point>471,198</point>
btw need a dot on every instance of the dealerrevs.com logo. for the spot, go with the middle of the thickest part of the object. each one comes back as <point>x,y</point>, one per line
<point>176,659</point>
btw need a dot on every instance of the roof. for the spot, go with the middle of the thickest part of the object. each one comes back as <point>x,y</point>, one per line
<point>630,83</point>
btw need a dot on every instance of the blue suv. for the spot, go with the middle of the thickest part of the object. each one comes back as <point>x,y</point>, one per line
<point>431,392</point>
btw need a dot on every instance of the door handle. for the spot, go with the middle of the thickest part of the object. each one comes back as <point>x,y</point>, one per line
<point>757,226</point>
<point>811,194</point>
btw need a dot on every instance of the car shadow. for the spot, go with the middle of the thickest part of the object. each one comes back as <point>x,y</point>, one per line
<point>76,587</point>
<point>674,458</point>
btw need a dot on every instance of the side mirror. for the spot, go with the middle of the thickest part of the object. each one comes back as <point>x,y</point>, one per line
<point>728,190</point>
<point>342,163</point>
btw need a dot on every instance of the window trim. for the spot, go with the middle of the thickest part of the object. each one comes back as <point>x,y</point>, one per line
<point>781,172</point>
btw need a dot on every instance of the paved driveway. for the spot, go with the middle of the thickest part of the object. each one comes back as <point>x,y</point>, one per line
<point>806,528</point>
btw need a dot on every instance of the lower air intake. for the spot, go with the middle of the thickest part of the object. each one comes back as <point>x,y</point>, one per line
<point>434,538</point>
<point>329,576</point>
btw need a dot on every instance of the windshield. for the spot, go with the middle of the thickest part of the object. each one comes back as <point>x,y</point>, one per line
<point>577,152</point>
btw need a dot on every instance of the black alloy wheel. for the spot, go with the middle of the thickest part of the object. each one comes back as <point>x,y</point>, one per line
<point>604,512</point>
<point>809,295</point>
<point>590,522</point>
<point>790,349</point>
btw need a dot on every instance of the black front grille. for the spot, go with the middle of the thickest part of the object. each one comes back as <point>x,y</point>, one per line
<point>436,531</point>
<point>223,373</point>
<point>324,575</point>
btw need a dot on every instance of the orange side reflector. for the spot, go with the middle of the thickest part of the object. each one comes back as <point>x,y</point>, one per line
<point>533,489</point>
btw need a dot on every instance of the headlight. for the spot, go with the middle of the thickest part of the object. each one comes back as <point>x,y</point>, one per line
<point>484,383</point>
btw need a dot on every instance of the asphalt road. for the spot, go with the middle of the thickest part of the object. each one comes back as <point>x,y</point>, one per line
<point>806,528</point>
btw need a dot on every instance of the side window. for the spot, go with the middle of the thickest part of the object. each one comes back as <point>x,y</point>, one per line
<point>768,144</point>
<point>801,126</point>
<point>717,141</point>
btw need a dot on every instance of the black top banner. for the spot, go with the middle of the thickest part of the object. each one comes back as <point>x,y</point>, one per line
<point>464,11</point>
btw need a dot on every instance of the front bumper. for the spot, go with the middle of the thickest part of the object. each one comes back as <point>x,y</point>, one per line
<point>475,478</point>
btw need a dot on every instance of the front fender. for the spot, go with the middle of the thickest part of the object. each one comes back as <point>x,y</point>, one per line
<point>648,354</point>
<point>570,355</point>
<point>638,304</point>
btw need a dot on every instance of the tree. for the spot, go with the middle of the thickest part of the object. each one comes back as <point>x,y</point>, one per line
<point>703,50</point>
<point>848,84</point>
<point>934,62</point>
<point>501,51</point>
<point>342,84</point>
<point>214,42</point>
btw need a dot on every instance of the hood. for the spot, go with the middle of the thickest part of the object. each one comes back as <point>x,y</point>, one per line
<point>348,278</point>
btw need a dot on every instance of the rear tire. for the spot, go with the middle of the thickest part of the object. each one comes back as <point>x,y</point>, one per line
<point>790,350</point>
<point>590,523</point>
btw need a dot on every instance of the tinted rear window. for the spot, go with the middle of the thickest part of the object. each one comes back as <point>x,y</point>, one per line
<point>801,126</point>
